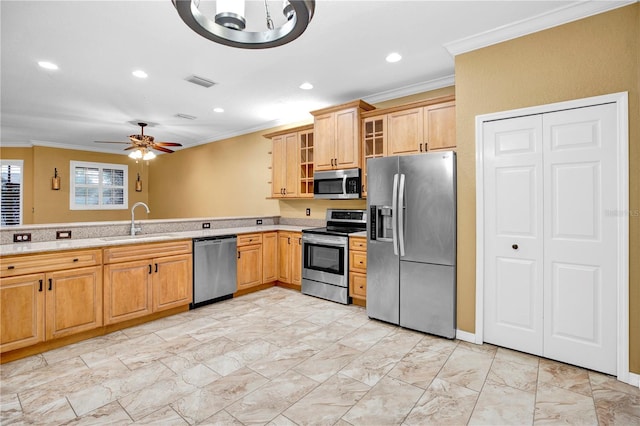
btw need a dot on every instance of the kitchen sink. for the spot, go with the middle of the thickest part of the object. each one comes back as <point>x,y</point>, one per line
<point>139,237</point>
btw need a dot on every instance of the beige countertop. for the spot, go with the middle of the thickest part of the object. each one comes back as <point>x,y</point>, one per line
<point>58,245</point>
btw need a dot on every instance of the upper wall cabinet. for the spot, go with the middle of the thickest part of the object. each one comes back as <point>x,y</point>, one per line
<point>337,135</point>
<point>413,128</point>
<point>292,162</point>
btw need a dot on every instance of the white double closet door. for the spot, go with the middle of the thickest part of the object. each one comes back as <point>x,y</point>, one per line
<point>550,284</point>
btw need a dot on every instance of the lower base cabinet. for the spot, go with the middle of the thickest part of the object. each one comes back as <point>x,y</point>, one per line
<point>146,285</point>
<point>290,257</point>
<point>249,266</point>
<point>41,306</point>
<point>358,270</point>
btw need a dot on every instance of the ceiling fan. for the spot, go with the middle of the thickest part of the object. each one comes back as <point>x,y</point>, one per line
<point>143,142</point>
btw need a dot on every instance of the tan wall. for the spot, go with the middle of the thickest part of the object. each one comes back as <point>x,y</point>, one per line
<point>593,56</point>
<point>220,179</point>
<point>44,205</point>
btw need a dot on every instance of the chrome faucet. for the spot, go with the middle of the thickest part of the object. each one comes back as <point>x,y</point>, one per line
<point>135,230</point>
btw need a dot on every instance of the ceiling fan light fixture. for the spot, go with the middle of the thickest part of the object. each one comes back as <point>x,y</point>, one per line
<point>148,156</point>
<point>228,25</point>
<point>136,155</point>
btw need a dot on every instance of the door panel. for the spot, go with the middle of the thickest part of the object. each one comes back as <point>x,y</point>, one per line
<point>430,208</point>
<point>513,246</point>
<point>428,298</point>
<point>551,252</point>
<point>580,283</point>
<point>74,301</point>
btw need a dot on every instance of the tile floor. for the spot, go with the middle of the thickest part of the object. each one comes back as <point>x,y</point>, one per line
<point>278,357</point>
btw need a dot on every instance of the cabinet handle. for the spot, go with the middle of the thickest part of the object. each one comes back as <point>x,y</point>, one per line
<point>288,240</point>
<point>361,287</point>
<point>420,147</point>
<point>75,260</point>
<point>515,247</point>
<point>50,284</point>
<point>238,254</point>
<point>149,268</point>
<point>299,241</point>
<point>11,267</point>
<point>40,289</point>
<point>156,267</point>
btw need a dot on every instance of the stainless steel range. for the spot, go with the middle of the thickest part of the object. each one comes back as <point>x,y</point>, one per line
<point>325,255</point>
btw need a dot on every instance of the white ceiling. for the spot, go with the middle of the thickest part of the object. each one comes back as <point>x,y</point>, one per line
<point>97,44</point>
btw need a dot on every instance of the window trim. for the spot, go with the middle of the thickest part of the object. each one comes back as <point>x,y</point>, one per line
<point>101,166</point>
<point>19,163</point>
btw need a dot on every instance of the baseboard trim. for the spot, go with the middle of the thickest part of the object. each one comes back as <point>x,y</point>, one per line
<point>465,336</point>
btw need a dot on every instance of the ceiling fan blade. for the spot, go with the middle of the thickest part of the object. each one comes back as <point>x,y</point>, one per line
<point>167,143</point>
<point>159,148</point>
<point>135,140</point>
<point>110,142</point>
<point>130,147</point>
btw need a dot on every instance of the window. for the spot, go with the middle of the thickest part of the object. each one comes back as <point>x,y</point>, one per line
<point>11,203</point>
<point>98,186</point>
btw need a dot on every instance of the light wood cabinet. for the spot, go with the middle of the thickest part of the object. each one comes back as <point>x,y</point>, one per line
<point>142,279</point>
<point>290,257</point>
<point>337,134</point>
<point>292,163</point>
<point>408,129</point>
<point>440,125</point>
<point>374,141</point>
<point>269,257</point>
<point>405,132</point>
<point>358,270</point>
<point>249,268</point>
<point>296,258</point>
<point>43,300</point>
<point>284,257</point>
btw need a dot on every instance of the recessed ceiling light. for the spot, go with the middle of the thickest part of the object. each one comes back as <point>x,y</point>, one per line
<point>306,86</point>
<point>140,74</point>
<point>393,57</point>
<point>48,65</point>
<point>218,110</point>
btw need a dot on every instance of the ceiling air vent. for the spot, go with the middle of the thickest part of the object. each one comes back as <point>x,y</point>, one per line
<point>185,116</point>
<point>200,81</point>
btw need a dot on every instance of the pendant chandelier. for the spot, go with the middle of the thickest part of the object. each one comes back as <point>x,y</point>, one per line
<point>229,25</point>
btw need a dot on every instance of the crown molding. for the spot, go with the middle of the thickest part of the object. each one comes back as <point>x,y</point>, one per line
<point>412,89</point>
<point>562,15</point>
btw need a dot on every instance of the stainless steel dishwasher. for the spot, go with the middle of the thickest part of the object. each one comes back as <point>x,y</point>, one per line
<point>214,269</point>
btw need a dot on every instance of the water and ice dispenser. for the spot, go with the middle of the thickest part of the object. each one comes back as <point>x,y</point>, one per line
<point>381,223</point>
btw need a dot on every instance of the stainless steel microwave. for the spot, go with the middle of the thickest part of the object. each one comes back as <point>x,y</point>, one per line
<point>337,184</point>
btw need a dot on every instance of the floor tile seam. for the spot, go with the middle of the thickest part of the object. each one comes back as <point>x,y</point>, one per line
<point>475,404</point>
<point>563,388</point>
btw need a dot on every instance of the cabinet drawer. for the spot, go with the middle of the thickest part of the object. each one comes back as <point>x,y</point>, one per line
<point>21,265</point>
<point>247,239</point>
<point>146,251</point>
<point>358,261</point>
<point>358,285</point>
<point>358,244</point>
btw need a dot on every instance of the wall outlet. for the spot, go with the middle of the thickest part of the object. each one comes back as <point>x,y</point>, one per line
<point>308,212</point>
<point>258,221</point>
<point>63,235</point>
<point>206,225</point>
<point>22,238</point>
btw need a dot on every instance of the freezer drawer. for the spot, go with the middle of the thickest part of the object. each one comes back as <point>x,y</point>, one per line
<point>428,298</point>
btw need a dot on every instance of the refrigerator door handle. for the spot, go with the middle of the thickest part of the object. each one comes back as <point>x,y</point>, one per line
<point>394,212</point>
<point>400,210</point>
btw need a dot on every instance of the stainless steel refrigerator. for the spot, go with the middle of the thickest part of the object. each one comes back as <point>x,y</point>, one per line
<point>411,243</point>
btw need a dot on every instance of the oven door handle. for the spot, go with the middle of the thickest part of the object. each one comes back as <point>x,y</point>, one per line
<point>323,241</point>
<point>344,185</point>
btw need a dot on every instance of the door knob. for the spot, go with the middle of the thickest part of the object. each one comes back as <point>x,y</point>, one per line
<point>514,246</point>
